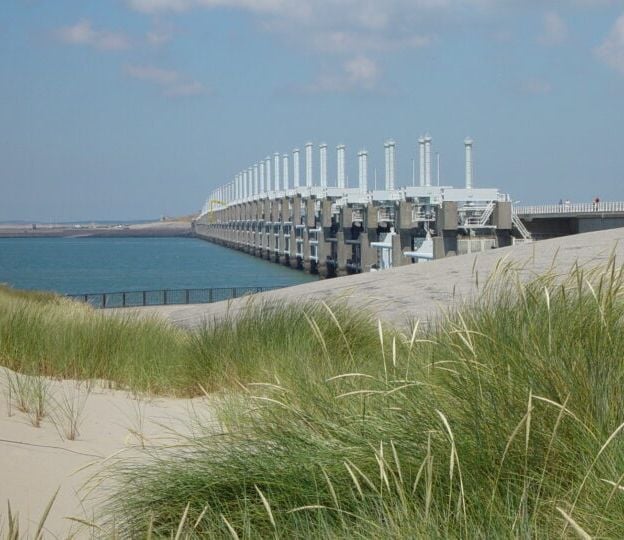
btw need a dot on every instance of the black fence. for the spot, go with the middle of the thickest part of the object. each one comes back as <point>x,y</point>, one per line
<point>166,297</point>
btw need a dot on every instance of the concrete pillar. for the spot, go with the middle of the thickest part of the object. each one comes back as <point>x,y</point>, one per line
<point>283,258</point>
<point>346,217</point>
<point>323,252</point>
<point>326,213</point>
<point>398,242</point>
<point>343,253</point>
<point>501,217</point>
<point>307,264</point>
<point>310,213</point>
<point>296,211</point>
<point>368,254</point>
<point>404,220</point>
<point>445,245</point>
<point>275,210</point>
<point>371,217</point>
<point>447,218</point>
<point>285,209</point>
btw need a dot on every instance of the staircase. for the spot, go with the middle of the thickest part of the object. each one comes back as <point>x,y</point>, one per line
<point>526,235</point>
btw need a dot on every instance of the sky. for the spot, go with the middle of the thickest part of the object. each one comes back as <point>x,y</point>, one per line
<point>135,109</point>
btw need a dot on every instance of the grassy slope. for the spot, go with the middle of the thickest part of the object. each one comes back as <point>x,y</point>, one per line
<point>502,421</point>
<point>50,335</point>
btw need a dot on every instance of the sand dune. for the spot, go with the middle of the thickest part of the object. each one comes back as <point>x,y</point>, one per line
<point>36,461</point>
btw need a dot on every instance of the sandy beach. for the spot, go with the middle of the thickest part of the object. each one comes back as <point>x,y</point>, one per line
<point>36,461</point>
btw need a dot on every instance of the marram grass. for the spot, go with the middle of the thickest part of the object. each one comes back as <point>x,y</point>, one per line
<point>505,420</point>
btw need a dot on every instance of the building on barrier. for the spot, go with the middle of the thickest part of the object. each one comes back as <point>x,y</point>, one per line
<point>338,230</point>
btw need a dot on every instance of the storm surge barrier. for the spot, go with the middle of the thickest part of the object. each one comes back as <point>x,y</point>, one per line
<point>165,297</point>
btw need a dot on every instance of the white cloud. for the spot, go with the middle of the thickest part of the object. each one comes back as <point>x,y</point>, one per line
<point>346,42</point>
<point>611,51</point>
<point>158,37</point>
<point>361,71</point>
<point>554,29</point>
<point>172,83</point>
<point>193,88</point>
<point>355,75</point>
<point>83,33</point>
<point>330,26</point>
<point>536,87</point>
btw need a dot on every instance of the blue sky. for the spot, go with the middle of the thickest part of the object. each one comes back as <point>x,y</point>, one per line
<point>129,109</point>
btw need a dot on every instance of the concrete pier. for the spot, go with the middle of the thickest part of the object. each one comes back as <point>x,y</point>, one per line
<point>341,231</point>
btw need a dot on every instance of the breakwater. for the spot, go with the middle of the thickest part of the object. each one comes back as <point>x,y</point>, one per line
<point>141,230</point>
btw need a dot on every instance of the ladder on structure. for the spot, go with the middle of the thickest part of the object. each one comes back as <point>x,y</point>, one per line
<point>524,232</point>
<point>485,216</point>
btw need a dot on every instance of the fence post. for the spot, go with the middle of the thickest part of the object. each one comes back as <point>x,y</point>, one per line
<point>210,295</point>
<point>123,299</point>
<point>187,296</point>
<point>144,298</point>
<point>165,299</point>
<point>103,300</point>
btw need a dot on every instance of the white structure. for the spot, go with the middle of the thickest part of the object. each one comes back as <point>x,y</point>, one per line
<point>250,182</point>
<point>363,171</point>
<point>427,160</point>
<point>323,164</point>
<point>468,143</point>
<point>421,155</point>
<point>285,173</point>
<point>340,166</point>
<point>296,167</point>
<point>261,177</point>
<point>276,171</point>
<point>267,172</point>
<point>389,147</point>
<point>255,179</point>
<point>308,164</point>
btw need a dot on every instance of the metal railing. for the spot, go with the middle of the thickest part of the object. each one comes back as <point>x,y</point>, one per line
<point>165,297</point>
<point>577,208</point>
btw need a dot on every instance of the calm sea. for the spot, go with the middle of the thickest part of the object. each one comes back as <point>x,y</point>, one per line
<point>84,265</point>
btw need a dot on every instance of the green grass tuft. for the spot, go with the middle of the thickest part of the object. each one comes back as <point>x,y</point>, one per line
<point>505,420</point>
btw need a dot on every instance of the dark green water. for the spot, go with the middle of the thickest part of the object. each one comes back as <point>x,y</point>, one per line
<point>84,265</point>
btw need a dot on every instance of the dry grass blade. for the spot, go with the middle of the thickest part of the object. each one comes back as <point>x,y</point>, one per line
<point>84,522</point>
<point>231,529</point>
<point>44,516</point>
<point>593,463</point>
<point>340,330</point>
<point>575,526</point>
<point>347,375</point>
<point>455,458</point>
<point>178,534</point>
<point>201,516</point>
<point>355,480</point>
<point>267,507</point>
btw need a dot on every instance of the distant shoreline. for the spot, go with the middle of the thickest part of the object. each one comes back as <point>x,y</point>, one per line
<point>142,230</point>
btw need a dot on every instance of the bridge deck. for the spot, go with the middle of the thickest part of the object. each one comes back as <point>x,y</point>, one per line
<point>612,209</point>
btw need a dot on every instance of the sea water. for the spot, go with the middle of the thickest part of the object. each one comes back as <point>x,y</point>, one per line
<point>95,265</point>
